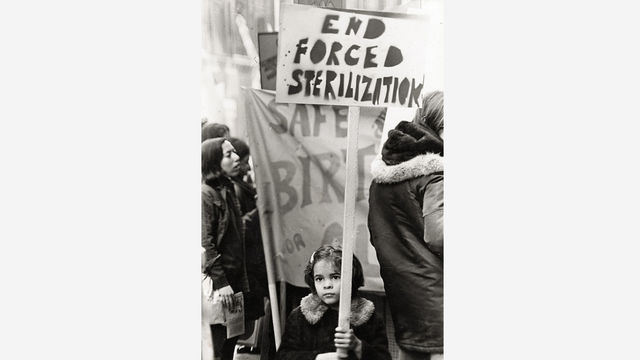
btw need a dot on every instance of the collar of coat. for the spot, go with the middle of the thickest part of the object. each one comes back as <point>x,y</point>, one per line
<point>313,309</point>
<point>420,165</point>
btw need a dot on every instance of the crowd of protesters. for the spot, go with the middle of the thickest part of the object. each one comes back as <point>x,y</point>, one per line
<point>233,259</point>
<point>405,225</point>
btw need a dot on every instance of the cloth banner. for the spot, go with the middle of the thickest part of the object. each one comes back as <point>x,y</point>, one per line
<point>299,155</point>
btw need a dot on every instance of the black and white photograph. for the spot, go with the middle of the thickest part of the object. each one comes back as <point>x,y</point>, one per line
<point>322,141</point>
<point>264,180</point>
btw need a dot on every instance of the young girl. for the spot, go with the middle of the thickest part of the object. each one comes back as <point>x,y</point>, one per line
<point>311,332</point>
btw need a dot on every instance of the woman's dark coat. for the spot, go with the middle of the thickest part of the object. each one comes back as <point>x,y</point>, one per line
<point>311,327</point>
<point>254,254</point>
<point>405,223</point>
<point>223,237</point>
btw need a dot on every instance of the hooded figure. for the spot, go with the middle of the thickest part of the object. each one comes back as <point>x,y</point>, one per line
<point>405,223</point>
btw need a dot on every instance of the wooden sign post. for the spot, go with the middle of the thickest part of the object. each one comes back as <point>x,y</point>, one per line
<point>349,225</point>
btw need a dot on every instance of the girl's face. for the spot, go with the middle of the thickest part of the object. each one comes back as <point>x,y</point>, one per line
<point>229,164</point>
<point>326,279</point>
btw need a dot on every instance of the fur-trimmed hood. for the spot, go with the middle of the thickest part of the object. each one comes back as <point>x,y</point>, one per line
<point>420,165</point>
<point>409,140</point>
<point>313,309</point>
<point>410,151</point>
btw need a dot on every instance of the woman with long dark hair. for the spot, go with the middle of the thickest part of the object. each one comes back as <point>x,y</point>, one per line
<point>222,234</point>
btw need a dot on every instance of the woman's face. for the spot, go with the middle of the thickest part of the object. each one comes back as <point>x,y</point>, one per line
<point>229,164</point>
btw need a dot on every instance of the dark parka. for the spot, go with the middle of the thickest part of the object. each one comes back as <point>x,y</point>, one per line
<point>311,328</point>
<point>405,223</point>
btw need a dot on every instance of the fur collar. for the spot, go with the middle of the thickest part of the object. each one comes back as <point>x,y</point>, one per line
<point>418,166</point>
<point>313,309</point>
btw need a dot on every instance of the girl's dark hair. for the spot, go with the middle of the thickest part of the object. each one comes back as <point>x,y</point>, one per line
<point>211,158</point>
<point>333,255</point>
<point>431,115</point>
<point>214,130</point>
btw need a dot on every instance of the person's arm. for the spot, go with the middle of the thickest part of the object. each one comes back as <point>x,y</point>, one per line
<point>294,346</point>
<point>212,264</point>
<point>432,212</point>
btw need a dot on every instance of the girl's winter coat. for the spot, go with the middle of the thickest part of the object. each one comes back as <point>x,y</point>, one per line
<point>405,222</point>
<point>310,330</point>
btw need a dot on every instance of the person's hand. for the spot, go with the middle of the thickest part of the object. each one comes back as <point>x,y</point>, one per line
<point>327,356</point>
<point>226,296</point>
<point>346,339</point>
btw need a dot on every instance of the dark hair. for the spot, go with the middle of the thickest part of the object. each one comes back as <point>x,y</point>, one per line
<point>333,255</point>
<point>214,130</point>
<point>242,149</point>
<point>431,115</point>
<point>211,158</point>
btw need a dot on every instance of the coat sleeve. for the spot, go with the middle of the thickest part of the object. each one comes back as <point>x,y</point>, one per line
<point>211,263</point>
<point>376,346</point>
<point>294,346</point>
<point>432,212</point>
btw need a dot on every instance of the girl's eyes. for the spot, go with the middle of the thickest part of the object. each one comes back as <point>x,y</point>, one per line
<point>333,277</point>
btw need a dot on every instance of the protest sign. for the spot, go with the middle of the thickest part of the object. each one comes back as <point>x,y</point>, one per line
<point>353,58</point>
<point>267,50</point>
<point>299,153</point>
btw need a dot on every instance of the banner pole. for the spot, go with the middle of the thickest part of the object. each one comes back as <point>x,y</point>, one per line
<point>283,303</point>
<point>271,280</point>
<point>349,226</point>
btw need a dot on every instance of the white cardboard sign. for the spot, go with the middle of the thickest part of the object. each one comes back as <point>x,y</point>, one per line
<point>351,58</point>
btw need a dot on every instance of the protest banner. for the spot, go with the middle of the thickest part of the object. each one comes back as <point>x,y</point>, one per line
<point>299,152</point>
<point>352,58</point>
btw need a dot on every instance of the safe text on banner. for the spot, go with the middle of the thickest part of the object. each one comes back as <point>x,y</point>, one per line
<point>299,155</point>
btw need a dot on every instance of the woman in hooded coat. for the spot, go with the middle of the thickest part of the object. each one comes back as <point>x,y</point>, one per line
<point>405,223</point>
